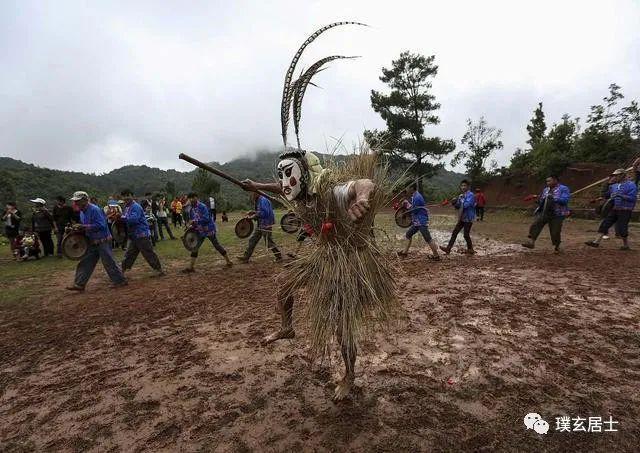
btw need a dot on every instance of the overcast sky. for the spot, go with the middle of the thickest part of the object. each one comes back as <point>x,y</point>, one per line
<point>94,85</point>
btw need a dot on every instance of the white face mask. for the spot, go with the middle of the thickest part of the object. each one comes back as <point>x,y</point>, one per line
<point>290,176</point>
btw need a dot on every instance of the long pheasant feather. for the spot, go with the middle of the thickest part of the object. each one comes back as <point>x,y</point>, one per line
<point>300,87</point>
<point>287,91</point>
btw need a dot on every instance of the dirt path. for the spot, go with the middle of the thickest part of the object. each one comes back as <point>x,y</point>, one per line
<point>179,367</point>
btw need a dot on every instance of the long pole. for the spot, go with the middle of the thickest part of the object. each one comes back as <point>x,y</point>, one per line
<point>220,173</point>
<point>595,184</point>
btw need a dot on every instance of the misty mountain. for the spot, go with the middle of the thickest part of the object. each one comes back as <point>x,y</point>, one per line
<point>21,181</point>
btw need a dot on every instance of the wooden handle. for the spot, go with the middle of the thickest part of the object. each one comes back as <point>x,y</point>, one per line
<point>595,184</point>
<point>220,173</point>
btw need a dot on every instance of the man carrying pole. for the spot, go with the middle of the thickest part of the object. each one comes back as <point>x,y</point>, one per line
<point>553,207</point>
<point>623,192</point>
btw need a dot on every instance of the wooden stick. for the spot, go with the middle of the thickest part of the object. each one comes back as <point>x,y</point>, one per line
<point>222,174</point>
<point>595,183</point>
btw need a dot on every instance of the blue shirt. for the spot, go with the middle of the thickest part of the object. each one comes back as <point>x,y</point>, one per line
<point>95,224</point>
<point>137,225</point>
<point>561,196</point>
<point>419,212</point>
<point>202,221</point>
<point>264,213</point>
<point>466,202</point>
<point>624,194</point>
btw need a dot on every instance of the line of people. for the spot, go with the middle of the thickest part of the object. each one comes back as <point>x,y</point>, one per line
<point>618,196</point>
<point>466,203</point>
<point>93,223</point>
<point>34,236</point>
<point>618,199</point>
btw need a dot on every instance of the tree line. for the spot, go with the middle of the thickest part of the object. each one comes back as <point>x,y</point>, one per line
<point>611,133</point>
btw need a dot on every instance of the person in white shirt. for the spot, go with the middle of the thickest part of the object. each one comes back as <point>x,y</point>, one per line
<point>163,218</point>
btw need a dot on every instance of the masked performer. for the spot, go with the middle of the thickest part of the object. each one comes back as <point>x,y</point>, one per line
<point>347,280</point>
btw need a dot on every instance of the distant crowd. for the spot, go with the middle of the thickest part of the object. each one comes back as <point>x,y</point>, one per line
<point>41,231</point>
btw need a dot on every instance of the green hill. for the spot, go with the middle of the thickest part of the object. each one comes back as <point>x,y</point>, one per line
<point>21,181</point>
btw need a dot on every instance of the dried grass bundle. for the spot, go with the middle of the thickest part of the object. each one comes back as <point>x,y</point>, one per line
<point>348,281</point>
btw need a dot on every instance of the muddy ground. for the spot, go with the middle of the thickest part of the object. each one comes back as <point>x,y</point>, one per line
<point>175,364</point>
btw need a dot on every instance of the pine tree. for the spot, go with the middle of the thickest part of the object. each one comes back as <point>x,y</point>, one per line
<point>537,127</point>
<point>204,184</point>
<point>407,110</point>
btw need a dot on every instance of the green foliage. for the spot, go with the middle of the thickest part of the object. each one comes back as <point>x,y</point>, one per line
<point>480,141</point>
<point>170,190</point>
<point>204,184</point>
<point>7,188</point>
<point>611,135</point>
<point>537,127</point>
<point>407,110</point>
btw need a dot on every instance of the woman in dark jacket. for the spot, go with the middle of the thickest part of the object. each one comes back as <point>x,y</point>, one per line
<point>43,225</point>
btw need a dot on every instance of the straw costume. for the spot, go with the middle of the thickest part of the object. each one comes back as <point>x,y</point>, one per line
<point>346,279</point>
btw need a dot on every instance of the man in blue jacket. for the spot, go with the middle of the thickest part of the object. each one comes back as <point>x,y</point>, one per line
<point>623,192</point>
<point>419,222</point>
<point>466,206</point>
<point>266,218</point>
<point>139,235</point>
<point>94,224</point>
<point>553,207</point>
<point>202,222</point>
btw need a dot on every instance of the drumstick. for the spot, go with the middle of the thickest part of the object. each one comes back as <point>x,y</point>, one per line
<point>220,173</point>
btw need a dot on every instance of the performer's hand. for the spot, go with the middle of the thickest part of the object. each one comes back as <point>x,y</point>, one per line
<point>249,185</point>
<point>360,208</point>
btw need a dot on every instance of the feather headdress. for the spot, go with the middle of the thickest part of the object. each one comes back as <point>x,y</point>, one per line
<point>294,91</point>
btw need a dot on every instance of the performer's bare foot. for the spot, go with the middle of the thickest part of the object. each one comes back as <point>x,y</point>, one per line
<point>281,334</point>
<point>343,388</point>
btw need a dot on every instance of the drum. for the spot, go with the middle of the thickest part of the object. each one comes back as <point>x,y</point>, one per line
<point>290,223</point>
<point>604,209</point>
<point>547,207</point>
<point>74,245</point>
<point>244,228</point>
<point>403,217</point>
<point>190,239</point>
